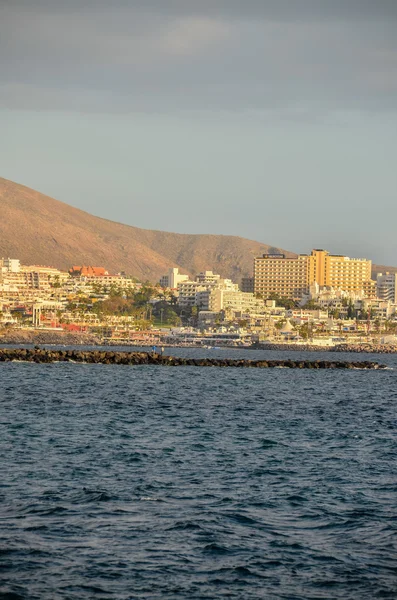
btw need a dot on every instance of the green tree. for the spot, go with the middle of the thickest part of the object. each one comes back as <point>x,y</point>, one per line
<point>56,283</point>
<point>304,331</point>
<point>390,326</point>
<point>312,305</point>
<point>351,311</point>
<point>286,303</point>
<point>194,316</point>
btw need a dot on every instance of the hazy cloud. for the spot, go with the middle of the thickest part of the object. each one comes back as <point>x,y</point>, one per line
<point>286,10</point>
<point>189,55</point>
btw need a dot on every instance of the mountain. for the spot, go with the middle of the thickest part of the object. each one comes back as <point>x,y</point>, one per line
<point>40,230</point>
<point>382,269</point>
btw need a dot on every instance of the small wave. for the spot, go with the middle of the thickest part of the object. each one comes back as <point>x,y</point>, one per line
<point>135,457</point>
<point>86,496</point>
<point>26,552</point>
<point>296,499</point>
<point>98,495</point>
<point>185,526</point>
<point>215,548</point>
<point>286,544</point>
<point>243,519</point>
<point>243,571</point>
<point>42,510</point>
<point>268,444</point>
<point>95,589</point>
<point>37,528</point>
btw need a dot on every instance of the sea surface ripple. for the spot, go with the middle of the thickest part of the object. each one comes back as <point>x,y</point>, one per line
<point>153,482</point>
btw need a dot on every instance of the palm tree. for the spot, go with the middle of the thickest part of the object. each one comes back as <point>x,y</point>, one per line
<point>389,325</point>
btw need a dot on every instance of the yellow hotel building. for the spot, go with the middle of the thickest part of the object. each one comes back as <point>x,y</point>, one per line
<point>292,277</point>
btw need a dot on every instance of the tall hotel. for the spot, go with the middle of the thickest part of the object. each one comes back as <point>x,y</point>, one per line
<point>292,277</point>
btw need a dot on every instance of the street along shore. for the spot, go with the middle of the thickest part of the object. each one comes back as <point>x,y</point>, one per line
<point>44,355</point>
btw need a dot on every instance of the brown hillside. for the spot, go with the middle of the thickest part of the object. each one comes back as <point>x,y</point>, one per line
<point>40,230</point>
<point>382,269</point>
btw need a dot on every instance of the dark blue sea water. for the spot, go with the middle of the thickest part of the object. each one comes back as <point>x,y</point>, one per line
<point>152,482</point>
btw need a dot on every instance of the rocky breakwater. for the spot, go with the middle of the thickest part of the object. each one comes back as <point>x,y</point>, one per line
<point>43,355</point>
<point>371,348</point>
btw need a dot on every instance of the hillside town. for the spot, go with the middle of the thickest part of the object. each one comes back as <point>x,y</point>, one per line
<point>316,299</point>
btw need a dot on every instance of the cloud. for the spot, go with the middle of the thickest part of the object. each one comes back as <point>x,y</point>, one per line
<point>44,39</point>
<point>279,10</point>
<point>199,55</point>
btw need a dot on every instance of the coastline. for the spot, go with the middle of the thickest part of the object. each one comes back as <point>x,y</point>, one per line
<point>64,338</point>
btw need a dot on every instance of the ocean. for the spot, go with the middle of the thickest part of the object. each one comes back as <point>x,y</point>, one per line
<point>122,482</point>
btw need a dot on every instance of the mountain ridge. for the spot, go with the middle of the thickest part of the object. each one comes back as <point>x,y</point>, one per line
<point>39,229</point>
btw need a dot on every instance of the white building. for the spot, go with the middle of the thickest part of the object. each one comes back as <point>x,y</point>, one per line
<point>11,265</point>
<point>187,291</point>
<point>380,309</point>
<point>230,301</point>
<point>212,280</point>
<point>207,318</point>
<point>200,292</point>
<point>172,279</point>
<point>33,276</point>
<point>207,300</point>
<point>305,316</point>
<point>327,296</point>
<point>241,302</point>
<point>386,286</point>
<point>208,277</point>
<point>106,281</point>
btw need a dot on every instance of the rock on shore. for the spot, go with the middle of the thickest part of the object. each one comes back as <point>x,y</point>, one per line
<point>41,355</point>
<point>368,348</point>
<point>56,338</point>
<point>361,348</point>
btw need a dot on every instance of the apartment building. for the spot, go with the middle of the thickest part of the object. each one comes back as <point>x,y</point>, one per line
<point>231,301</point>
<point>106,281</point>
<point>380,309</point>
<point>277,274</point>
<point>187,291</point>
<point>386,286</point>
<point>208,277</point>
<point>200,292</point>
<point>247,285</point>
<point>241,302</point>
<point>338,271</point>
<point>10,265</point>
<point>292,277</point>
<point>208,300</point>
<point>26,277</point>
<point>172,279</point>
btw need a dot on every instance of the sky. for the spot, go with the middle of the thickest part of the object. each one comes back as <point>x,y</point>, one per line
<point>275,120</point>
